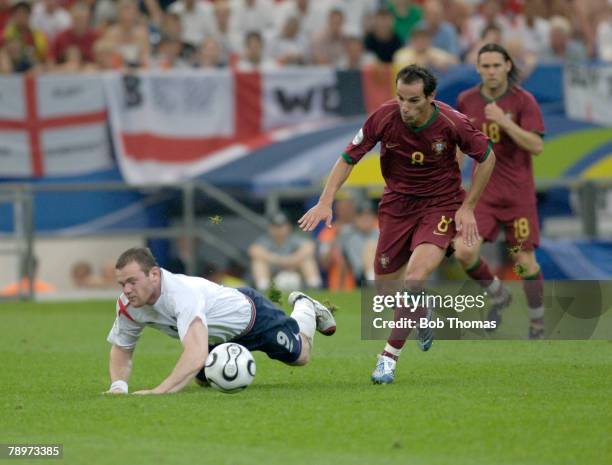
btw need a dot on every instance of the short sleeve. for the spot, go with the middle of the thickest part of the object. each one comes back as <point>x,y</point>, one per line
<point>470,140</point>
<point>364,141</point>
<point>530,118</point>
<point>189,307</point>
<point>125,332</point>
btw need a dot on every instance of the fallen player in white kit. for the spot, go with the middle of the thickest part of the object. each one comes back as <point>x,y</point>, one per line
<point>203,314</point>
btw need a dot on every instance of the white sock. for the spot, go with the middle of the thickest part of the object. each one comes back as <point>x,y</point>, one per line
<point>494,287</point>
<point>392,350</point>
<point>535,313</point>
<point>304,314</point>
<point>262,284</point>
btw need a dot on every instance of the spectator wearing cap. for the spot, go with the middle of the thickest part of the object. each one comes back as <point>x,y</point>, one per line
<point>421,52</point>
<point>283,256</point>
<point>382,40</point>
<point>25,46</point>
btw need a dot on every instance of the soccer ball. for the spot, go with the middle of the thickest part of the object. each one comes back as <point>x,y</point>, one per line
<point>230,367</point>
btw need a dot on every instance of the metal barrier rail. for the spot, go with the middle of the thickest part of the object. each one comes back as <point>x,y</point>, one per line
<point>21,196</point>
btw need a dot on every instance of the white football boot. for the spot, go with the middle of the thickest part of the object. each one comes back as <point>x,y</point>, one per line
<point>384,373</point>
<point>326,323</point>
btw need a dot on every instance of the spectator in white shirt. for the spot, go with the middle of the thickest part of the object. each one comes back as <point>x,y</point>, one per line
<point>196,20</point>
<point>328,43</point>
<point>290,47</point>
<point>604,36</point>
<point>49,17</point>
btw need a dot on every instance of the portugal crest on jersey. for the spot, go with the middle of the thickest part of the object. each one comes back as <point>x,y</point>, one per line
<point>438,146</point>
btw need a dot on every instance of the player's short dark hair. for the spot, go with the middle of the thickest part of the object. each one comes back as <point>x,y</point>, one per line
<point>413,73</point>
<point>514,74</point>
<point>140,255</point>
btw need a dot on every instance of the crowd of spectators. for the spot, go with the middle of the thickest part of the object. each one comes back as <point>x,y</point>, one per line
<point>91,35</point>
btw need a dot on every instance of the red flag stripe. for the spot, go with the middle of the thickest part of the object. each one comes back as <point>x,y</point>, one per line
<point>147,146</point>
<point>32,119</point>
<point>56,121</point>
<point>248,105</point>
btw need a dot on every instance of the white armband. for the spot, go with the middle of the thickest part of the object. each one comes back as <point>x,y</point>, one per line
<point>119,385</point>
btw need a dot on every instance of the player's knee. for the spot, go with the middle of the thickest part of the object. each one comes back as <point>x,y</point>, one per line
<point>303,359</point>
<point>526,263</point>
<point>417,276</point>
<point>465,256</point>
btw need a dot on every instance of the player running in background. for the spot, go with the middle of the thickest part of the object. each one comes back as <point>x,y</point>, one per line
<point>510,116</point>
<point>203,314</point>
<point>423,204</point>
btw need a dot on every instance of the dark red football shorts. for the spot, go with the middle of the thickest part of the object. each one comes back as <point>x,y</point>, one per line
<point>407,221</point>
<point>520,224</point>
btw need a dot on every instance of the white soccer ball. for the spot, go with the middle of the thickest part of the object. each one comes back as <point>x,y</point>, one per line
<point>230,367</point>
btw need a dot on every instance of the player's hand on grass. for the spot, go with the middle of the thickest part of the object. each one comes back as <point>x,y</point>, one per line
<point>466,225</point>
<point>144,392</point>
<point>314,216</point>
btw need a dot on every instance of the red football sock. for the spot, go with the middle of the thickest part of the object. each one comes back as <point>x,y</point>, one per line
<point>534,291</point>
<point>480,272</point>
<point>398,336</point>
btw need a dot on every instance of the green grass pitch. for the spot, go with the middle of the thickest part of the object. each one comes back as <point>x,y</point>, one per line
<point>464,402</point>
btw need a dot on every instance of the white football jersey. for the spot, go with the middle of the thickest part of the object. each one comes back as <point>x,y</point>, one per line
<point>225,311</point>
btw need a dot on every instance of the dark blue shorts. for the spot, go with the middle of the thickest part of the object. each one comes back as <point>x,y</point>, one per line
<point>274,332</point>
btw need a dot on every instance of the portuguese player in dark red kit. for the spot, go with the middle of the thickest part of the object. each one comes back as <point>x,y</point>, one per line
<point>423,206</point>
<point>512,119</point>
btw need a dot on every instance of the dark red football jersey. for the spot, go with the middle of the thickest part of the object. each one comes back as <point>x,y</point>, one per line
<point>512,180</point>
<point>419,161</point>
